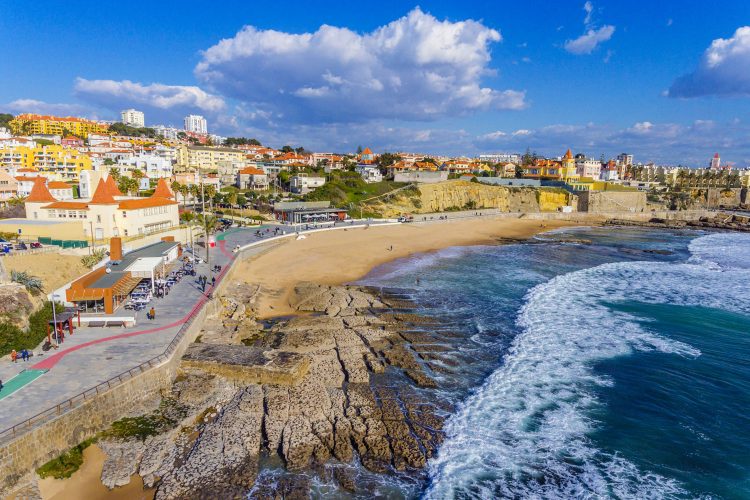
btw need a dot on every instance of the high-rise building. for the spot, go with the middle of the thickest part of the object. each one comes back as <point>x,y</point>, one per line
<point>29,124</point>
<point>624,159</point>
<point>716,162</point>
<point>133,118</point>
<point>196,124</point>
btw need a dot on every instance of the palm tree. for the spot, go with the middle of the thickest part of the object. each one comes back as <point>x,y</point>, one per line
<point>208,222</point>
<point>177,188</point>
<point>189,218</point>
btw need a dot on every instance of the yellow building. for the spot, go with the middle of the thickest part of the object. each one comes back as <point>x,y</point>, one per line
<point>207,157</point>
<point>54,162</point>
<point>27,124</point>
<point>568,171</point>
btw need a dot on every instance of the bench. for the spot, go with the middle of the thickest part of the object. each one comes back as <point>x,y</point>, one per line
<point>115,323</point>
<point>96,324</point>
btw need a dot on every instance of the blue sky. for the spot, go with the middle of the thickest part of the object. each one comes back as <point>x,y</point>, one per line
<point>668,81</point>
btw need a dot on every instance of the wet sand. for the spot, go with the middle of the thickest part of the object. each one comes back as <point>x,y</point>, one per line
<point>85,483</point>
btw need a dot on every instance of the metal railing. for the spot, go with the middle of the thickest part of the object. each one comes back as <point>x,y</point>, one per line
<point>77,400</point>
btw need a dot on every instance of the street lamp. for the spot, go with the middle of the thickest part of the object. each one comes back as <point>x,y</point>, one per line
<point>54,317</point>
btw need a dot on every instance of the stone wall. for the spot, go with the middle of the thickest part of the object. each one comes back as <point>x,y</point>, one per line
<point>612,201</point>
<point>41,444</point>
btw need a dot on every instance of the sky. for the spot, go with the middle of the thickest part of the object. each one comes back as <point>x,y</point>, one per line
<point>667,81</point>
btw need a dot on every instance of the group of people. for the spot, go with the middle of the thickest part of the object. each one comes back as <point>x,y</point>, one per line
<point>203,281</point>
<point>24,355</point>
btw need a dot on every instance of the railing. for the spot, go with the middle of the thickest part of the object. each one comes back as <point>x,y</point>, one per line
<point>80,398</point>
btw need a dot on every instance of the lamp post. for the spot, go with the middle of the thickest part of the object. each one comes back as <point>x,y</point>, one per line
<point>54,318</point>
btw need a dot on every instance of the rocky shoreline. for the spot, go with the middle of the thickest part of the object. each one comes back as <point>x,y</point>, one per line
<point>726,221</point>
<point>362,398</point>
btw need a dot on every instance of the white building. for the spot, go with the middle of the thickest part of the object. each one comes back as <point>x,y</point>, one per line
<point>196,123</point>
<point>715,162</point>
<point>133,118</point>
<point>302,184</point>
<point>155,167</point>
<point>588,167</point>
<point>369,173</point>
<point>501,158</point>
<point>169,133</point>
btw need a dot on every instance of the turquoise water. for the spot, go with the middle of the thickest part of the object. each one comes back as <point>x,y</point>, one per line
<point>615,369</point>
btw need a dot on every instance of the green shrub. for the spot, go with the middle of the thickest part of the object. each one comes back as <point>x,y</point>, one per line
<point>66,464</point>
<point>31,283</point>
<point>12,337</point>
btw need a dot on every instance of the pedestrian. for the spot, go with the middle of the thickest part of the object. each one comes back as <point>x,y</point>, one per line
<point>152,312</point>
<point>25,355</point>
<point>13,355</point>
<point>1,385</point>
<point>213,281</point>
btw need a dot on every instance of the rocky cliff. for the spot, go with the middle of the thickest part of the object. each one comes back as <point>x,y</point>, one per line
<point>465,195</point>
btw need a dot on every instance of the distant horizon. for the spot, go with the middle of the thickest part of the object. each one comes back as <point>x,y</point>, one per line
<point>600,77</point>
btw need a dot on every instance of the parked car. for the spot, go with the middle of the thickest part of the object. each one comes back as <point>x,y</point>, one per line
<point>36,244</point>
<point>22,246</point>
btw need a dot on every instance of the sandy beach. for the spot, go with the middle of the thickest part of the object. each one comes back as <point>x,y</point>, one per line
<point>336,257</point>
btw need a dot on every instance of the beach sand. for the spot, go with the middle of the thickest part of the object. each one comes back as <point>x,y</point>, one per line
<point>53,269</point>
<point>336,257</point>
<point>85,483</point>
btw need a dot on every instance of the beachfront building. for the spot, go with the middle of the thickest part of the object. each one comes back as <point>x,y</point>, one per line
<point>29,124</point>
<point>104,289</point>
<point>303,184</point>
<point>107,213</point>
<point>590,168</point>
<point>307,212</point>
<point>252,178</point>
<point>568,170</point>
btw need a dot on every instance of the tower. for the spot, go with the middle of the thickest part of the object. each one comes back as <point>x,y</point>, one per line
<point>715,162</point>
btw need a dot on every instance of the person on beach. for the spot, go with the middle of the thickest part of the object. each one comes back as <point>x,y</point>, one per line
<point>152,312</point>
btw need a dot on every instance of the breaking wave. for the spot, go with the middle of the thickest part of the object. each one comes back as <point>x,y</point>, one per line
<point>523,433</point>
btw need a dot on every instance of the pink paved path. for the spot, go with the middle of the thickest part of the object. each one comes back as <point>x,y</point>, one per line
<point>51,361</point>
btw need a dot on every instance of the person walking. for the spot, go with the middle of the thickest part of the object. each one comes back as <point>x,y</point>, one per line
<point>213,281</point>
<point>152,312</point>
<point>13,355</point>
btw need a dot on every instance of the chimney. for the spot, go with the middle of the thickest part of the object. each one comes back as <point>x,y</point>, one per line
<point>115,249</point>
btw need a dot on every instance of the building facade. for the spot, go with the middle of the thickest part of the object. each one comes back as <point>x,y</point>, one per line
<point>133,118</point>
<point>196,123</point>
<point>29,124</point>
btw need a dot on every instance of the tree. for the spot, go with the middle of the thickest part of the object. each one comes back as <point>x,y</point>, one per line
<point>177,188</point>
<point>519,172</point>
<point>208,223</point>
<point>388,159</point>
<point>286,149</point>
<point>241,200</point>
<point>127,185</point>
<point>527,158</point>
<point>109,161</point>
<point>5,119</point>
<point>115,173</point>
<point>188,217</point>
<point>359,150</point>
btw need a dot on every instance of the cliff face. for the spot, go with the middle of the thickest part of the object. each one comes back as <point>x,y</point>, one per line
<point>464,195</point>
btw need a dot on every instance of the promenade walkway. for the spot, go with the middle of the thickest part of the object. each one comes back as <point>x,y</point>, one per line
<point>93,355</point>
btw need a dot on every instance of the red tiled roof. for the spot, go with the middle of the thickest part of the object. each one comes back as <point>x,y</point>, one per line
<point>39,193</point>
<point>102,195</point>
<point>367,151</point>
<point>162,190</point>
<point>70,205</point>
<point>153,201</point>
<point>252,171</point>
<point>59,185</point>
<point>112,186</point>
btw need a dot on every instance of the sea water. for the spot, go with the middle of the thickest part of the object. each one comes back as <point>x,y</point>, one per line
<point>596,363</point>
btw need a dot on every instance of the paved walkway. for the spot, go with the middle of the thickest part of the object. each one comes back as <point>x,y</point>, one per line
<point>93,355</point>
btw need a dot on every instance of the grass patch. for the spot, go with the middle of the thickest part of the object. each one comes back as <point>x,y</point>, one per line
<point>166,417</point>
<point>66,464</point>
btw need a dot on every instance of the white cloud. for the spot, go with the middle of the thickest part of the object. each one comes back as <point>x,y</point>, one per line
<point>586,43</point>
<point>723,70</point>
<point>589,8</point>
<point>45,108</point>
<point>414,68</point>
<point>115,95</point>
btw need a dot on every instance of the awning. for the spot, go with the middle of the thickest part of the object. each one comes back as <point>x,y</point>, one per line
<point>87,295</point>
<point>125,285</point>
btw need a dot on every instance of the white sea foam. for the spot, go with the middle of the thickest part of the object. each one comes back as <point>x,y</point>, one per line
<point>523,433</point>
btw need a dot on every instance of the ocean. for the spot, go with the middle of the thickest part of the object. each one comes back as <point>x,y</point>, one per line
<point>592,363</point>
